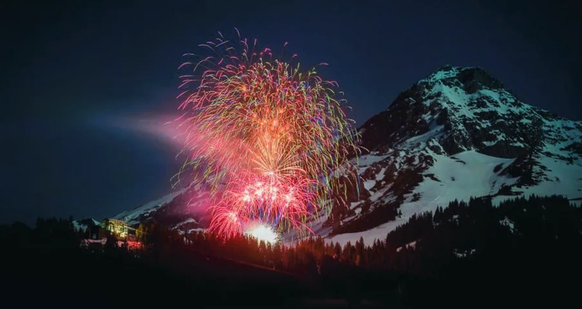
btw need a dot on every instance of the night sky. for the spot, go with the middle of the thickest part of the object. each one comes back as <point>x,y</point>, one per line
<point>78,76</point>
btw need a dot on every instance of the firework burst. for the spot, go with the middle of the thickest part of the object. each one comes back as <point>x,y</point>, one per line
<point>265,136</point>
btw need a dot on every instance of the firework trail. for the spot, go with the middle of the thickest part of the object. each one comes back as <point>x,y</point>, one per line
<point>263,135</point>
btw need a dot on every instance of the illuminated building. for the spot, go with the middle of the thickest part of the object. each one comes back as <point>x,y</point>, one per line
<point>118,228</point>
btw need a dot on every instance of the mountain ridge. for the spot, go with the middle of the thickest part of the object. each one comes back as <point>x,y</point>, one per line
<point>455,134</point>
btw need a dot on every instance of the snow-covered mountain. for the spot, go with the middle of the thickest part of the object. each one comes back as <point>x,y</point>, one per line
<point>456,134</point>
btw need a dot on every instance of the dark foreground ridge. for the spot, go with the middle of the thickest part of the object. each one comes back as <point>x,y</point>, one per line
<point>73,278</point>
<point>524,252</point>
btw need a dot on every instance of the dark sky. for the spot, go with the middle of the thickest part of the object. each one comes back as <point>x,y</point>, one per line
<point>70,70</point>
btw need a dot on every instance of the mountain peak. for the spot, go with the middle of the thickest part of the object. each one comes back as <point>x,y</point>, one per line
<point>466,108</point>
<point>471,79</point>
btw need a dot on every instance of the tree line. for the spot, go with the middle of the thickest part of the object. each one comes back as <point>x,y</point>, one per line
<point>524,251</point>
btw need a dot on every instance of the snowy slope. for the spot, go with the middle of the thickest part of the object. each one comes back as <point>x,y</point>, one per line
<point>184,209</point>
<point>561,179</point>
<point>467,174</point>
<point>133,216</point>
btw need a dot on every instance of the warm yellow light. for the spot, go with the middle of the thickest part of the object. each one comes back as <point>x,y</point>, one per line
<point>263,233</point>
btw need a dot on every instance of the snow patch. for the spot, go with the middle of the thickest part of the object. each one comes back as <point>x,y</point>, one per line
<point>411,245</point>
<point>508,223</point>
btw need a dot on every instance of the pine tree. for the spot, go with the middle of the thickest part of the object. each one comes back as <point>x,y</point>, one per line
<point>338,250</point>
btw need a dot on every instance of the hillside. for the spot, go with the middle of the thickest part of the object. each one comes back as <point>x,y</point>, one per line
<point>455,134</point>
